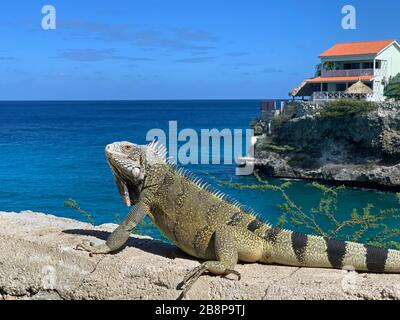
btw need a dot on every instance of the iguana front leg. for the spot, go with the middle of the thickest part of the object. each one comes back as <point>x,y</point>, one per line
<point>226,253</point>
<point>120,235</point>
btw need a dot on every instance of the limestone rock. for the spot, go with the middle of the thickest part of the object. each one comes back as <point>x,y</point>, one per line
<point>38,260</point>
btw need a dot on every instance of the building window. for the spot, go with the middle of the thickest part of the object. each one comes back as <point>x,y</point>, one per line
<point>352,66</point>
<point>378,64</point>
<point>340,87</point>
<point>324,87</point>
<point>368,65</point>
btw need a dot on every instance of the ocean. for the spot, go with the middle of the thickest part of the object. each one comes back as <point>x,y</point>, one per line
<point>54,151</point>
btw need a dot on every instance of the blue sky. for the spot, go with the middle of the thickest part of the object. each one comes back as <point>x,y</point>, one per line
<point>175,49</point>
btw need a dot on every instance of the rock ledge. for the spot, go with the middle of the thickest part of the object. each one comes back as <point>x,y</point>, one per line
<point>38,261</point>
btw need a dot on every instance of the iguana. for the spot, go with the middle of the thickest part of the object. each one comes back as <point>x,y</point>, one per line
<point>208,225</point>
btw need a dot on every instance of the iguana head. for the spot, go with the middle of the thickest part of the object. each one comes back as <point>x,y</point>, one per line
<point>129,162</point>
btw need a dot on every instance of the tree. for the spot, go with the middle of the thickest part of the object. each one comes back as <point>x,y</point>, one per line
<point>392,90</point>
<point>368,225</point>
<point>330,65</point>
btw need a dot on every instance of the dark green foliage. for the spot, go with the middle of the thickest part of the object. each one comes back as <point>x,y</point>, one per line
<point>266,144</point>
<point>346,108</point>
<point>393,88</point>
<point>280,148</point>
<point>330,65</point>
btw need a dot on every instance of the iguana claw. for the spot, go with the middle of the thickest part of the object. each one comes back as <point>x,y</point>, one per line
<point>90,247</point>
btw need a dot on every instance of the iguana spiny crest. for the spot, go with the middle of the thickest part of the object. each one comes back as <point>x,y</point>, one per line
<point>208,225</point>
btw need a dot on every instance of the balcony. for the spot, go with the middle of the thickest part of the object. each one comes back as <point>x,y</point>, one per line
<point>334,95</point>
<point>348,73</point>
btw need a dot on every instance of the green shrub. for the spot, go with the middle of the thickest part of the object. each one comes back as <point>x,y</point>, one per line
<point>280,148</point>
<point>143,228</point>
<point>277,122</point>
<point>323,219</point>
<point>393,88</point>
<point>346,108</point>
<point>266,143</point>
<point>288,113</point>
<point>71,203</point>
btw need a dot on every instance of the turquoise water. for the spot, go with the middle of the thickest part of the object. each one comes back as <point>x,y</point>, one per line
<point>52,151</point>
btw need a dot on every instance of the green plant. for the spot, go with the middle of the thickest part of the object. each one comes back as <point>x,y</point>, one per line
<point>277,122</point>
<point>345,108</point>
<point>330,65</point>
<point>392,90</point>
<point>266,143</point>
<point>143,228</point>
<point>322,218</point>
<point>280,148</point>
<point>71,203</point>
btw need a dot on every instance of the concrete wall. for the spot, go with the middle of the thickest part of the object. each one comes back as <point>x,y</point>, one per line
<point>392,56</point>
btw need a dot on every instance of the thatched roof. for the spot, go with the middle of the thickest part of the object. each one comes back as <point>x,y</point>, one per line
<point>305,89</point>
<point>295,91</point>
<point>359,88</point>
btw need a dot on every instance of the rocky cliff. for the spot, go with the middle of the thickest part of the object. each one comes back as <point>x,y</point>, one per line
<point>360,149</point>
<point>38,260</point>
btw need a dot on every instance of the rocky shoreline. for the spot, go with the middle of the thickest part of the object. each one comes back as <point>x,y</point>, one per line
<point>360,150</point>
<point>38,261</point>
<point>386,178</point>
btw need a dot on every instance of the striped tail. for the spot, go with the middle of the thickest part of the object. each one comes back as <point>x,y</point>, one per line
<point>298,249</point>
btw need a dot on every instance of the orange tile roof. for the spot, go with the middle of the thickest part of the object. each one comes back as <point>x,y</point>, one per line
<point>339,79</point>
<point>356,48</point>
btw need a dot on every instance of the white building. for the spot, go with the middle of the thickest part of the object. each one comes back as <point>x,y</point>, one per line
<point>372,62</point>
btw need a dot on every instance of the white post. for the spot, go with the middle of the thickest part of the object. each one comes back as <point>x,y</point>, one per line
<point>374,66</point>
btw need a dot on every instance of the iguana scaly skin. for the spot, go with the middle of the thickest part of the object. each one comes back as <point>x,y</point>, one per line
<point>207,225</point>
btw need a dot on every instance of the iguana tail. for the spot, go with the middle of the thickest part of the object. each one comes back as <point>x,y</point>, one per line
<point>297,249</point>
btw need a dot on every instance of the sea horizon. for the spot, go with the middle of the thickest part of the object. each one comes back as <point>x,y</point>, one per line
<point>144,100</point>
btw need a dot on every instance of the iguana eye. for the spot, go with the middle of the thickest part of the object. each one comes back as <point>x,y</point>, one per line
<point>128,147</point>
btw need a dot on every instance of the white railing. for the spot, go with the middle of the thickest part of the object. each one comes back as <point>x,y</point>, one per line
<point>334,95</point>
<point>347,73</point>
